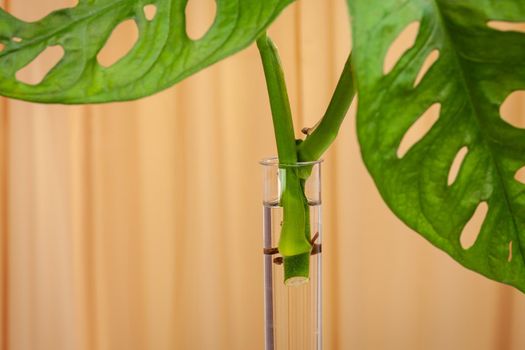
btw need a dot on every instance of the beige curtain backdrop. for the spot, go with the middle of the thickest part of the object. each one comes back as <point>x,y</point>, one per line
<point>137,225</point>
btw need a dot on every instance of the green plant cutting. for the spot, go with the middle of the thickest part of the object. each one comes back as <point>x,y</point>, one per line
<point>479,66</point>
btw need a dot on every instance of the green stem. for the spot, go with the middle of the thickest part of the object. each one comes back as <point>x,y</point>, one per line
<point>279,103</point>
<point>293,243</point>
<point>325,133</point>
<point>297,267</point>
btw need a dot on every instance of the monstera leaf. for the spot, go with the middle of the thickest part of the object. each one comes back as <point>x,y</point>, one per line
<point>477,69</point>
<point>162,56</point>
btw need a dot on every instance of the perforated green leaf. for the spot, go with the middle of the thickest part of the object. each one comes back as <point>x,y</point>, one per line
<point>163,55</point>
<point>478,67</point>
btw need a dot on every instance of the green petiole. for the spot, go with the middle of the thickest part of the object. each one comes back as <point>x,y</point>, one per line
<point>294,243</point>
<point>313,147</point>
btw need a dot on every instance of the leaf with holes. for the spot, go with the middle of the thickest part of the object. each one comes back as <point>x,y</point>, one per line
<point>163,54</point>
<point>469,157</point>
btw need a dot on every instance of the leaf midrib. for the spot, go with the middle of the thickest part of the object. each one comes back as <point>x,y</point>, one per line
<point>478,121</point>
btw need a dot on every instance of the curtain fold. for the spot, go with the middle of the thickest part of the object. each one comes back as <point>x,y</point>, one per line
<point>137,225</point>
<point>4,267</point>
